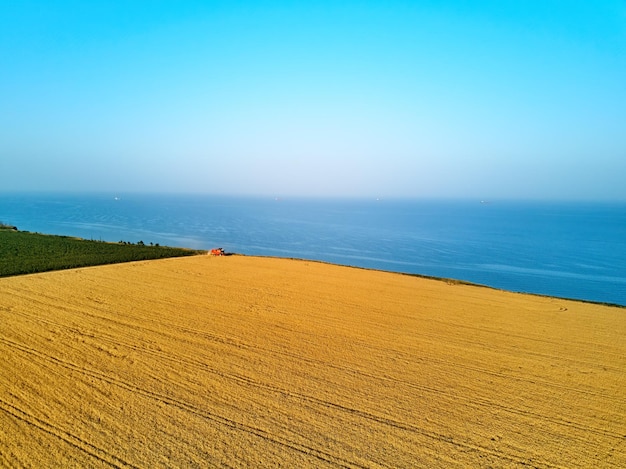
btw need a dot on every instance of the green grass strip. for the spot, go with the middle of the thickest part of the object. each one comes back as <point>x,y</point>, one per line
<point>23,252</point>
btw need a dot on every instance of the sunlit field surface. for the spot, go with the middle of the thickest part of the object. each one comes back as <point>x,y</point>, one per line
<point>259,362</point>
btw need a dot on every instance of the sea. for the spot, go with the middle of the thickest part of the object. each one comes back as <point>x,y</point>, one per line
<point>564,249</point>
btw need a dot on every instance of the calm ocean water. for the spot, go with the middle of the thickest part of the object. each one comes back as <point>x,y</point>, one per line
<point>573,250</point>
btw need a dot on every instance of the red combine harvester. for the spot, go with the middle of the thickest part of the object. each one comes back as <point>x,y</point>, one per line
<point>217,252</point>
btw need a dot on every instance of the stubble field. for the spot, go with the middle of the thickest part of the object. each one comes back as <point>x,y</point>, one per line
<point>258,362</point>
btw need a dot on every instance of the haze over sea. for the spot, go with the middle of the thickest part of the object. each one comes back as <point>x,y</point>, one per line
<point>572,250</point>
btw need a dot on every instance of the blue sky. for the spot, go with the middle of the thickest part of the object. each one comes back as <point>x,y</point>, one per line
<point>483,99</point>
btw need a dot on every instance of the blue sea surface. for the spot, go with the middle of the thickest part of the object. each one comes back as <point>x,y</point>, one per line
<point>571,250</point>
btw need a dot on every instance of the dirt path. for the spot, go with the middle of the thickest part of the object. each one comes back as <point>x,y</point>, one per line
<point>253,362</point>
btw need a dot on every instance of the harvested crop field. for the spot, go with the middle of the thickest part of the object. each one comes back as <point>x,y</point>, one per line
<point>258,362</point>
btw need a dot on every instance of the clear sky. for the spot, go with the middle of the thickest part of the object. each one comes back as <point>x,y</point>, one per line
<point>485,98</point>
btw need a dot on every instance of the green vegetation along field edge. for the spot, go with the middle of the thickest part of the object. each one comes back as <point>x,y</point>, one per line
<point>22,252</point>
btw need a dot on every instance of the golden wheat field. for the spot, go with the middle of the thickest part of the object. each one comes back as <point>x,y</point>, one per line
<point>260,362</point>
